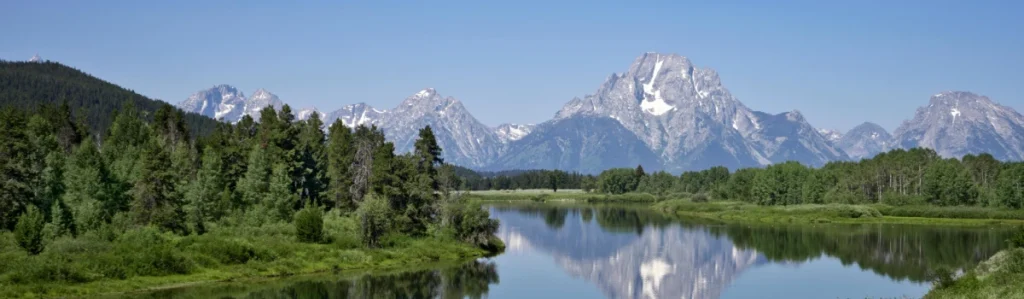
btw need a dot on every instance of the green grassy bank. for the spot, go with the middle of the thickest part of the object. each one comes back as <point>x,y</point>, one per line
<point>141,259</point>
<point>1001,276</point>
<point>736,211</point>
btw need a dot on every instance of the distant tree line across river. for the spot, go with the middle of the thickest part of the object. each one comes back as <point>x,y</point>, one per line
<point>899,177</point>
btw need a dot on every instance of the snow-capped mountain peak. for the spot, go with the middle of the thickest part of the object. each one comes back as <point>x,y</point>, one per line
<point>308,112</point>
<point>228,103</point>
<point>685,114</point>
<point>259,100</point>
<point>425,93</point>
<point>35,58</point>
<point>219,102</point>
<point>956,123</point>
<point>512,132</point>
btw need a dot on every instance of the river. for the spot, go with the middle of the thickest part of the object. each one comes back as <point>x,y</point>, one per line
<point>587,251</point>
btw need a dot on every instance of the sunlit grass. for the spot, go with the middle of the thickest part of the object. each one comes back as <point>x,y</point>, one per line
<point>90,265</point>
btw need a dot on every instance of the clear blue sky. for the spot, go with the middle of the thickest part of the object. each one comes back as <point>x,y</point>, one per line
<point>839,62</point>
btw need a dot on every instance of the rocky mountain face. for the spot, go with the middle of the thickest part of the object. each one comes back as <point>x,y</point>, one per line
<point>957,123</point>
<point>663,113</point>
<point>832,136</point>
<point>685,115</point>
<point>588,144</point>
<point>465,140</point>
<point>864,141</point>
<point>227,103</point>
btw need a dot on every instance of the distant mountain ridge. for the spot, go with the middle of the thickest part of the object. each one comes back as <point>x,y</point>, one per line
<point>663,113</point>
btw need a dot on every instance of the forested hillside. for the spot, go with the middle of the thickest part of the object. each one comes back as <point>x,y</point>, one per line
<point>27,85</point>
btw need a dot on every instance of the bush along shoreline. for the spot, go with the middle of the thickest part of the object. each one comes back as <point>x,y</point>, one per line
<point>1001,276</point>
<point>144,205</point>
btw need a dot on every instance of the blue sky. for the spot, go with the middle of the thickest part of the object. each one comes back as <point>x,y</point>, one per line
<point>839,62</point>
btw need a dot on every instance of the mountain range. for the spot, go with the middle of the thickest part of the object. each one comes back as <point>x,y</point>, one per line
<point>664,113</point>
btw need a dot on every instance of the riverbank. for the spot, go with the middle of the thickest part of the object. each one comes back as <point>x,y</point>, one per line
<point>145,259</point>
<point>1001,276</point>
<point>736,211</point>
<point>832,213</point>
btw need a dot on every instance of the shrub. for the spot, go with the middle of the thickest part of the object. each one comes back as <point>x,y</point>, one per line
<point>148,252</point>
<point>472,224</point>
<point>227,251</point>
<point>1017,240</point>
<point>699,197</point>
<point>374,220</point>
<point>343,232</point>
<point>29,230</point>
<point>943,277</point>
<point>309,224</point>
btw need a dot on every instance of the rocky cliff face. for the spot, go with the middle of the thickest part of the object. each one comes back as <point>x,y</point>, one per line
<point>865,141</point>
<point>957,123</point>
<point>685,115</point>
<point>227,103</point>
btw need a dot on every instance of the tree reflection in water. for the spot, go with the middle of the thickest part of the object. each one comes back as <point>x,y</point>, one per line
<point>632,252</point>
<point>470,280</point>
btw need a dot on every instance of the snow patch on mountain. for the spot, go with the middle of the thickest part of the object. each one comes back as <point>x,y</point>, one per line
<point>957,123</point>
<point>686,116</point>
<point>512,132</point>
<point>831,135</point>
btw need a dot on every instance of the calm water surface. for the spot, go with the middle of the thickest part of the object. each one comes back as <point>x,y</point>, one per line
<point>565,251</point>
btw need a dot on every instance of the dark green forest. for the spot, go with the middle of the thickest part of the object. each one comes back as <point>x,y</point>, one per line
<point>899,177</point>
<point>153,173</point>
<point>146,197</point>
<point>27,85</point>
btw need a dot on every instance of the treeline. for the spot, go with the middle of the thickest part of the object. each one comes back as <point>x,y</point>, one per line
<point>26,85</point>
<point>59,181</point>
<point>898,177</point>
<point>522,179</point>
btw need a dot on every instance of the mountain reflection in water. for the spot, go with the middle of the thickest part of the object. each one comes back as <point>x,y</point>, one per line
<point>585,251</point>
<point>635,253</point>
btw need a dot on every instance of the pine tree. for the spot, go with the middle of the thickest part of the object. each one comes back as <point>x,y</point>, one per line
<point>340,157</point>
<point>29,230</point>
<point>15,167</point>
<point>312,171</point>
<point>63,220</point>
<point>254,184</point>
<point>280,199</point>
<point>123,145</point>
<point>204,198</point>
<point>169,124</point>
<point>427,153</point>
<point>156,202</point>
<point>90,190</point>
<point>640,172</point>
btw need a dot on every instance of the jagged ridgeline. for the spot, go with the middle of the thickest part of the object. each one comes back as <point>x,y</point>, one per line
<point>93,101</point>
<point>665,113</point>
